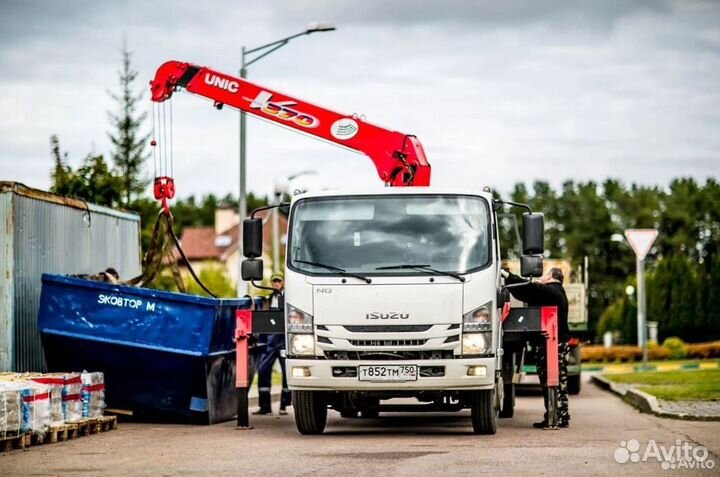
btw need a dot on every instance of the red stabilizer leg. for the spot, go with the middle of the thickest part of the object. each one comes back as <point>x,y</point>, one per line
<point>549,319</point>
<point>550,328</point>
<point>243,329</point>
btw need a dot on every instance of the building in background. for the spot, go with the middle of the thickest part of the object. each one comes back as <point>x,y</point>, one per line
<point>218,245</point>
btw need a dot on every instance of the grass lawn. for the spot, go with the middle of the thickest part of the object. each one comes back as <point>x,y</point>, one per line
<point>674,385</point>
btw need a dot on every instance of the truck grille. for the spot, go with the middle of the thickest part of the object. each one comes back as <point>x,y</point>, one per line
<point>387,342</point>
<point>387,328</point>
<point>388,355</point>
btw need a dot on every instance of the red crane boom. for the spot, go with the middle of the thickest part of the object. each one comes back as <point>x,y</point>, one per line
<point>399,158</point>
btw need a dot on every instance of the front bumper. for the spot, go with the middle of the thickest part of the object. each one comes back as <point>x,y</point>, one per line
<point>456,378</point>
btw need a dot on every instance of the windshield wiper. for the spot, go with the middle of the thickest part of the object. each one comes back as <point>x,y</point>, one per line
<point>426,268</point>
<point>341,271</point>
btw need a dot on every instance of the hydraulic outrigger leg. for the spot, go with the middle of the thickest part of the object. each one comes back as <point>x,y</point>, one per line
<point>258,322</point>
<point>550,330</point>
<point>522,326</point>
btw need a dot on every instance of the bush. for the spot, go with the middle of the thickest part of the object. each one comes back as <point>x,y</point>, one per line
<point>625,354</point>
<point>616,354</point>
<point>216,279</point>
<point>592,354</point>
<point>703,350</point>
<point>677,347</point>
<point>658,353</point>
<point>673,348</point>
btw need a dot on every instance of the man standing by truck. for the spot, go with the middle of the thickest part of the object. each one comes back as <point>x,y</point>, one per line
<point>275,350</point>
<point>548,291</point>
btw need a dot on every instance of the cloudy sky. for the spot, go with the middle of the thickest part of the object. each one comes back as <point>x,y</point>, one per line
<point>497,91</point>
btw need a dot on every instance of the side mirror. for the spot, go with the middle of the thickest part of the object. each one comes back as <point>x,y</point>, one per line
<point>533,234</point>
<point>252,269</point>
<point>252,238</point>
<point>530,265</point>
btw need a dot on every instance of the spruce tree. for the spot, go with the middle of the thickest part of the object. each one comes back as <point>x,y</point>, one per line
<point>128,152</point>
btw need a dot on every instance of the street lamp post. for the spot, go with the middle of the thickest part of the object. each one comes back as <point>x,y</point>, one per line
<point>261,51</point>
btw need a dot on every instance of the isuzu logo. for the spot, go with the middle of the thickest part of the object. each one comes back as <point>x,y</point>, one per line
<point>387,316</point>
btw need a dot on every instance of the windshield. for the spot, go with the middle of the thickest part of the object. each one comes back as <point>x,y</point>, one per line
<point>447,233</point>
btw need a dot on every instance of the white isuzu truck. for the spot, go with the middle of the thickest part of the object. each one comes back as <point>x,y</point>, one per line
<point>390,293</point>
<point>394,293</point>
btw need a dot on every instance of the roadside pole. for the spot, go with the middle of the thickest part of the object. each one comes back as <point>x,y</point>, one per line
<point>641,240</point>
<point>641,317</point>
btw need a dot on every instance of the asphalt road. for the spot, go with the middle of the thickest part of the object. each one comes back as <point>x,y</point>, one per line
<point>393,445</point>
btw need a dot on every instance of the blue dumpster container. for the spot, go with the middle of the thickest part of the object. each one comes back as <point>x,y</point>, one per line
<point>165,355</point>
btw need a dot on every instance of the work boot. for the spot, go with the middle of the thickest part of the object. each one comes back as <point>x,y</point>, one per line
<point>262,412</point>
<point>540,425</point>
<point>283,411</point>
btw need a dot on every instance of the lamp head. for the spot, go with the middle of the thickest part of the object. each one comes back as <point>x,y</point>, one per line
<point>313,27</point>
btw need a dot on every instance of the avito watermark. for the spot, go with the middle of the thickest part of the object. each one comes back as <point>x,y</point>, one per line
<point>681,455</point>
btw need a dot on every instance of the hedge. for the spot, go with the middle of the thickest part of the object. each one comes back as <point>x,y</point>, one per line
<point>671,349</point>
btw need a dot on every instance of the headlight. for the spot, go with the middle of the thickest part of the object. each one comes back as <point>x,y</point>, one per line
<point>476,343</point>
<point>302,345</point>
<point>480,319</point>
<point>298,321</point>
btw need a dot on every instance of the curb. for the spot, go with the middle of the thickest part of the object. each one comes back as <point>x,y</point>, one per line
<point>645,402</point>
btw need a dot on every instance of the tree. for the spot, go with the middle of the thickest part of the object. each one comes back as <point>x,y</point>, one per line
<point>712,303</point>
<point>215,278</point>
<point>681,219</point>
<point>61,173</point>
<point>94,181</point>
<point>128,145</point>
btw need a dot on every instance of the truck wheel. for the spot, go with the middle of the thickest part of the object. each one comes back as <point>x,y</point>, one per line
<point>508,409</point>
<point>483,412</point>
<point>574,384</point>
<point>349,413</point>
<point>310,409</point>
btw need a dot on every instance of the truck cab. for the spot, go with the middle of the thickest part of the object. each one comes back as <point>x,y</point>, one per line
<point>393,293</point>
<point>393,328</point>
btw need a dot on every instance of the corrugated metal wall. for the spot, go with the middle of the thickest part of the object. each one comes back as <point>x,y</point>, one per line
<point>52,238</point>
<point>7,297</point>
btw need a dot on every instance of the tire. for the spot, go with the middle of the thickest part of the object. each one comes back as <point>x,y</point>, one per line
<point>483,413</point>
<point>349,413</point>
<point>508,409</point>
<point>575,384</point>
<point>370,414</point>
<point>310,408</point>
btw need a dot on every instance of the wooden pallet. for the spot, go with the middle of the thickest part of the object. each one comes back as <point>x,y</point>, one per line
<point>96,425</point>
<point>60,433</point>
<point>12,441</point>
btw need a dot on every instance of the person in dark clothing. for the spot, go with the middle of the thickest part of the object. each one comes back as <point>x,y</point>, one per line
<point>548,291</point>
<point>274,350</point>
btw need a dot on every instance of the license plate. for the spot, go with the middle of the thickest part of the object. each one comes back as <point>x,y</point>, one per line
<point>388,373</point>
